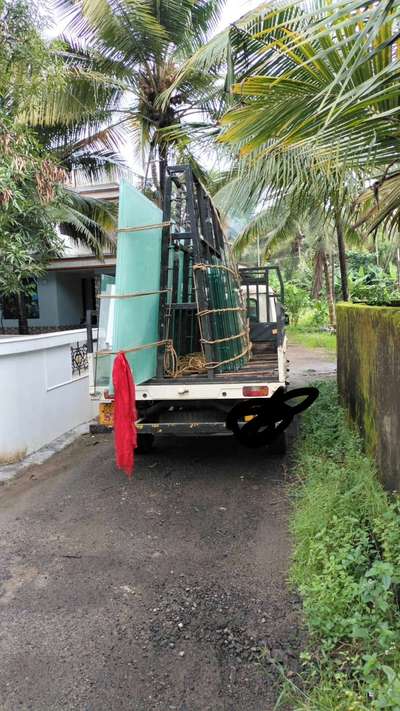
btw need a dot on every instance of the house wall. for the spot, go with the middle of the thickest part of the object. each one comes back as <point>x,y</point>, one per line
<point>60,299</point>
<point>48,305</point>
<point>369,380</point>
<point>69,298</point>
<point>41,397</point>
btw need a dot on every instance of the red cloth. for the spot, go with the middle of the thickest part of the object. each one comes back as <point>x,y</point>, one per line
<point>125,415</point>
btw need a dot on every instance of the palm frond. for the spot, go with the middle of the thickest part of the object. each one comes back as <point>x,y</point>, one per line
<point>379,205</point>
<point>87,221</point>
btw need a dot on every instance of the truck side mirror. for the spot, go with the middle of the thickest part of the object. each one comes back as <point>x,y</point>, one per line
<point>287,319</point>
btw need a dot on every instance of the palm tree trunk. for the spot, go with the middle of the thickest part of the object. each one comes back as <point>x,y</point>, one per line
<point>23,328</point>
<point>329,293</point>
<point>342,255</point>
<point>162,153</point>
<point>154,176</point>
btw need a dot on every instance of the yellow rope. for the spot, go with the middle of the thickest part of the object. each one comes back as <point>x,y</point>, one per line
<point>204,267</point>
<point>144,347</point>
<point>230,360</point>
<point>223,340</point>
<point>219,311</point>
<point>133,294</point>
<point>177,366</point>
<point>141,228</point>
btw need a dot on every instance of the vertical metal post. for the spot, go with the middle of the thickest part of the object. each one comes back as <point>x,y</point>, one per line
<point>201,295</point>
<point>90,355</point>
<point>165,242</point>
<point>89,331</point>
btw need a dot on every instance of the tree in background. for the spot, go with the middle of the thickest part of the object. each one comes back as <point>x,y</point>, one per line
<point>310,130</point>
<point>29,190</point>
<point>121,57</point>
<point>296,233</point>
<point>33,195</point>
<point>315,107</point>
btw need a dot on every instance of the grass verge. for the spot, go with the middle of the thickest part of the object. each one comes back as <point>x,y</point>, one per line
<point>346,567</point>
<point>311,339</point>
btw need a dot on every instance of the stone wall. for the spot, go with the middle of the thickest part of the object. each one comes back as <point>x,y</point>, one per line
<point>369,380</point>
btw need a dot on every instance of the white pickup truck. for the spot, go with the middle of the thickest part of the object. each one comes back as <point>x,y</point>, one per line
<point>197,401</point>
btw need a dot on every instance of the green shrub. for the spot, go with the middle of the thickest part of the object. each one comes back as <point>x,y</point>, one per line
<point>320,314</point>
<point>346,567</point>
<point>296,301</point>
<point>370,283</point>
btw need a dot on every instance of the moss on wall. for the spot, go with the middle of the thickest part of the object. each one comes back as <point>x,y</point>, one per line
<point>368,340</point>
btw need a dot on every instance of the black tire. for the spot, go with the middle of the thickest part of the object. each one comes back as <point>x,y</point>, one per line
<point>279,445</point>
<point>144,443</point>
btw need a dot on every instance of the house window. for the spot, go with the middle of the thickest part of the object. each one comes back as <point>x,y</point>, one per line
<point>10,309</point>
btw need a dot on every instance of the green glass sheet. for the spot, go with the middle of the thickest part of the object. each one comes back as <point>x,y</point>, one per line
<point>136,320</point>
<point>104,332</point>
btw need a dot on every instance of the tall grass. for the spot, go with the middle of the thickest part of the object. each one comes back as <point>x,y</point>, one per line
<point>346,567</point>
<point>304,336</point>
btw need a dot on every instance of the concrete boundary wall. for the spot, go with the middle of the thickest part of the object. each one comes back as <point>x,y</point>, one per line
<point>369,380</point>
<point>41,396</point>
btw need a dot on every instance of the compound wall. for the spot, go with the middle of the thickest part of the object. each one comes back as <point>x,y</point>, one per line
<point>369,380</point>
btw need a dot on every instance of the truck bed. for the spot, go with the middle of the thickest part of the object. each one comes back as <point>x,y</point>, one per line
<point>262,367</point>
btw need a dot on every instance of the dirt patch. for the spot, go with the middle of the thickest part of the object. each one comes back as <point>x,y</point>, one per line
<point>306,366</point>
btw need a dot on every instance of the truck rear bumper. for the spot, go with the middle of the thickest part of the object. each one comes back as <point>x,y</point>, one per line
<point>184,415</point>
<point>177,391</point>
<point>172,428</point>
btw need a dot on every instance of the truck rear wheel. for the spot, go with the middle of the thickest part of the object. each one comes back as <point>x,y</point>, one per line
<point>144,443</point>
<point>279,445</point>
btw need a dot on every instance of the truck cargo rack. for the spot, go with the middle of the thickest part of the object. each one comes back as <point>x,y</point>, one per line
<point>201,309</point>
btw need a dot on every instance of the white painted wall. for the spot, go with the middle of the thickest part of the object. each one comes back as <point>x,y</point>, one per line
<point>40,399</point>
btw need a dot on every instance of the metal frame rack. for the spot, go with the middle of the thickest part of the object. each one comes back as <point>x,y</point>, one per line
<point>201,307</point>
<point>260,276</point>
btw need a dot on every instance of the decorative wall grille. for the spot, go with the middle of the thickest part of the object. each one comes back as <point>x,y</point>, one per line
<point>79,358</point>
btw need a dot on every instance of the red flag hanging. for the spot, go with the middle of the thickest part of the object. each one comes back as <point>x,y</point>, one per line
<point>125,415</point>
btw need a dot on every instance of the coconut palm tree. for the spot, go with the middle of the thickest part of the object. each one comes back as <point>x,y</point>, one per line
<point>306,229</point>
<point>316,103</point>
<point>29,72</point>
<point>120,57</point>
<point>34,196</point>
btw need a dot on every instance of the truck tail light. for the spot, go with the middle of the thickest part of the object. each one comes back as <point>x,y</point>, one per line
<point>255,391</point>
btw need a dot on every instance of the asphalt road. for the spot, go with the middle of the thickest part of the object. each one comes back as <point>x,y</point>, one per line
<point>166,592</point>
